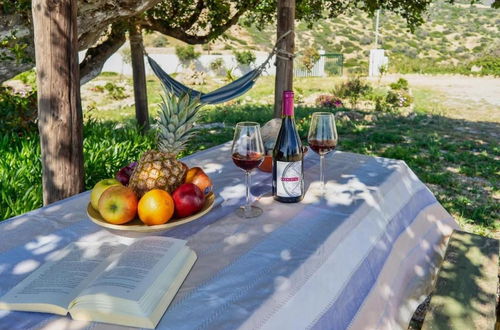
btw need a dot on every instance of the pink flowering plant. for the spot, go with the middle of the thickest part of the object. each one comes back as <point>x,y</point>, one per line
<point>329,101</point>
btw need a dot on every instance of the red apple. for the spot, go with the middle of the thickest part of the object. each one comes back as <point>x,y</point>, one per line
<point>123,175</point>
<point>196,176</point>
<point>188,199</point>
<point>118,205</point>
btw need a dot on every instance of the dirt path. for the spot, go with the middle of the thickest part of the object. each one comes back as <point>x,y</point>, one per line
<point>464,97</point>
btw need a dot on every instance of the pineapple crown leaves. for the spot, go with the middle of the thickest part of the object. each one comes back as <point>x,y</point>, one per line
<point>177,118</point>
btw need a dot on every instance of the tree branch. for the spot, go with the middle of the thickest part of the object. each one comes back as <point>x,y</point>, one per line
<point>181,34</point>
<point>96,56</point>
<point>200,5</point>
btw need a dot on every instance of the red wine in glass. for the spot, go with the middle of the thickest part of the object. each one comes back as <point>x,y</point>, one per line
<point>322,138</point>
<point>322,147</point>
<point>247,153</point>
<point>248,162</point>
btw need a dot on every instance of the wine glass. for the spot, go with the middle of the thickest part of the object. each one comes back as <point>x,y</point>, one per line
<point>322,138</point>
<point>248,153</point>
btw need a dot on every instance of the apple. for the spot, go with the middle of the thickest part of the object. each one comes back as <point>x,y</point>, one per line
<point>123,175</point>
<point>188,199</point>
<point>196,176</point>
<point>118,204</point>
<point>99,188</point>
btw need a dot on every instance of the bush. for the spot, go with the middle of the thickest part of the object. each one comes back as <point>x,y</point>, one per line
<point>365,40</point>
<point>106,149</point>
<point>245,57</point>
<point>27,78</point>
<point>116,92</point>
<point>18,112</point>
<point>217,65</point>
<point>329,101</point>
<point>398,99</point>
<point>186,54</point>
<point>332,68</point>
<point>160,41</point>
<point>309,58</point>
<point>401,84</point>
<point>490,65</point>
<point>353,89</point>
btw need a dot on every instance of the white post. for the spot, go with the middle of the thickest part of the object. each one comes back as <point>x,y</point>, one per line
<point>321,63</point>
<point>376,28</point>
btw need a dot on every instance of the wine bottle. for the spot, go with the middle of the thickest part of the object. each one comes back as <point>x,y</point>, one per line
<point>288,158</point>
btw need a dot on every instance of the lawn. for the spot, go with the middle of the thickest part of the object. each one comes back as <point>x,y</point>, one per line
<point>459,160</point>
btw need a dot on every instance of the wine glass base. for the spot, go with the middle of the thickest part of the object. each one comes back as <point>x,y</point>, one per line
<point>252,212</point>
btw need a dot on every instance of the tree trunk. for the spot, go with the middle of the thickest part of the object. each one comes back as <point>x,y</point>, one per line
<point>139,76</point>
<point>284,65</point>
<point>59,108</point>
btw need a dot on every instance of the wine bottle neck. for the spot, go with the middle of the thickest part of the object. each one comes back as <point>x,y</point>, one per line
<point>287,108</point>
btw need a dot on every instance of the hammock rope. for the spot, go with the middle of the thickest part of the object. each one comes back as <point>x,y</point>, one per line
<point>225,93</point>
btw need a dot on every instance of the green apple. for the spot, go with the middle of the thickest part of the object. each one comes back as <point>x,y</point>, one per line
<point>99,188</point>
<point>118,205</point>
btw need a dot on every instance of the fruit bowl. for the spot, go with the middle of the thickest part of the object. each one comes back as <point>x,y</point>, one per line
<point>138,226</point>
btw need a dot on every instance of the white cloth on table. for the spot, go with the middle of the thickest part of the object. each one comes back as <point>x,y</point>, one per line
<point>363,257</point>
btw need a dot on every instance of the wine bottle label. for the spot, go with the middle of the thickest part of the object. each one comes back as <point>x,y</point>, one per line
<point>289,182</point>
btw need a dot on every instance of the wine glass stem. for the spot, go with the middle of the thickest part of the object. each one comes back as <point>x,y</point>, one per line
<point>247,180</point>
<point>322,173</point>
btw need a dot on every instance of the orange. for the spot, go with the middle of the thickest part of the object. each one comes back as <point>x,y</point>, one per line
<point>156,207</point>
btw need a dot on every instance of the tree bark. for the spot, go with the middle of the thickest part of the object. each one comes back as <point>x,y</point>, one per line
<point>59,107</point>
<point>139,77</point>
<point>284,63</point>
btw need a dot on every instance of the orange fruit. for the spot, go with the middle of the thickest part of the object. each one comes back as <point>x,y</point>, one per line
<point>156,207</point>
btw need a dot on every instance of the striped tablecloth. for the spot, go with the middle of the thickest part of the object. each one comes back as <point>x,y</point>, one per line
<point>363,258</point>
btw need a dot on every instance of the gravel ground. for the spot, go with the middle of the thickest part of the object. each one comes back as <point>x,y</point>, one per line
<point>470,98</point>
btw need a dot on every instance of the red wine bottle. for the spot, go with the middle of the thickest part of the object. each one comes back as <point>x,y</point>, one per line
<point>288,158</point>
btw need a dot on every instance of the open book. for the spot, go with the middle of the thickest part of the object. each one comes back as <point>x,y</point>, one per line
<point>128,285</point>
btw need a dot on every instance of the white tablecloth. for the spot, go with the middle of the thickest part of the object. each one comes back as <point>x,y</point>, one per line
<point>363,258</point>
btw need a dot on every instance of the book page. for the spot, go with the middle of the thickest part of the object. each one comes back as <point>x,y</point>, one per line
<point>59,281</point>
<point>136,268</point>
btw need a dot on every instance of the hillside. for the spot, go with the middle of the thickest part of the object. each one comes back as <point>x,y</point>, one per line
<point>452,35</point>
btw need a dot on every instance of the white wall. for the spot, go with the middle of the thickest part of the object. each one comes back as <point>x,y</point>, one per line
<point>171,64</point>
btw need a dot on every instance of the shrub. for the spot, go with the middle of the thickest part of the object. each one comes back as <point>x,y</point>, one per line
<point>18,112</point>
<point>126,54</point>
<point>398,99</point>
<point>309,58</point>
<point>353,89</point>
<point>328,101</point>
<point>401,84</point>
<point>27,78</point>
<point>187,53</point>
<point>108,74</point>
<point>490,65</point>
<point>217,65</point>
<point>332,68</point>
<point>365,40</point>
<point>160,41</point>
<point>116,92</point>
<point>245,57</point>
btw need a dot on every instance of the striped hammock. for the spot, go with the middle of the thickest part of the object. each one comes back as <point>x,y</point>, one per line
<point>234,89</point>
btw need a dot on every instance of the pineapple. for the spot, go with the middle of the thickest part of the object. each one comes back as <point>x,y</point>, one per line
<point>160,168</point>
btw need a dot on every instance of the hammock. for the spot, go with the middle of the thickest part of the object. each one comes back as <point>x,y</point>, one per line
<point>234,89</point>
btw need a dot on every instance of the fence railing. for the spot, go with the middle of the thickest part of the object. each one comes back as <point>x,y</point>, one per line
<point>327,65</point>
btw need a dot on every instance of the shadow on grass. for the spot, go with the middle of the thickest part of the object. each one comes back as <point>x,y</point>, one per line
<point>465,294</point>
<point>456,158</point>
